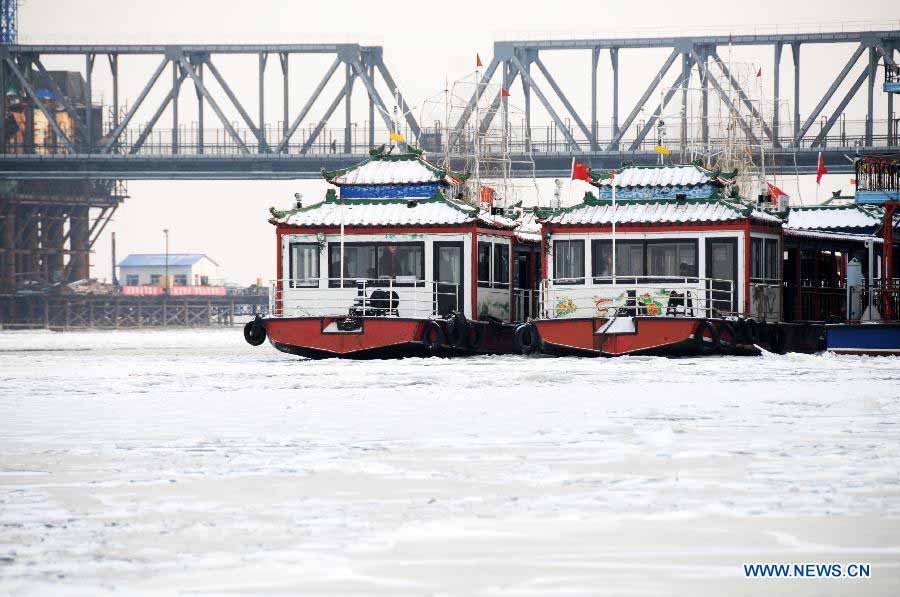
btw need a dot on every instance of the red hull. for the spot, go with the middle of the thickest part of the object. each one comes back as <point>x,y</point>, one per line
<point>377,337</point>
<point>651,336</point>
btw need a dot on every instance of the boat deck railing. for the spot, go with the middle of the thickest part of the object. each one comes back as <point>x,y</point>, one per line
<point>879,301</point>
<point>360,297</point>
<point>661,296</point>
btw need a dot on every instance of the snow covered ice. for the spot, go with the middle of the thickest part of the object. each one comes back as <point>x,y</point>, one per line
<point>167,461</point>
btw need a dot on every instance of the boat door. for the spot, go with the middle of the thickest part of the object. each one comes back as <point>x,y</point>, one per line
<point>448,269</point>
<point>722,265</point>
<point>524,285</point>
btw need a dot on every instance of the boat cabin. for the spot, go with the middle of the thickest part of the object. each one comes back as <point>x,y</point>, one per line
<point>685,246</point>
<point>395,239</point>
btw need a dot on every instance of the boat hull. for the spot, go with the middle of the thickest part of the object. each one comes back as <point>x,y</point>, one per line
<point>863,338</point>
<point>661,336</point>
<point>379,338</point>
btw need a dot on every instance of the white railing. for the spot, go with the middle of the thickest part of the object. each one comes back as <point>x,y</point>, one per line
<point>637,295</point>
<point>362,298</point>
<point>527,303</point>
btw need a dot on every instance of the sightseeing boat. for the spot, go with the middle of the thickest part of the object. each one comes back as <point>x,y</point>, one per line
<point>662,260</point>
<point>394,262</point>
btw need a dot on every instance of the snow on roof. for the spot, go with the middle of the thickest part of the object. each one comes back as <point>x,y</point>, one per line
<point>838,236</point>
<point>409,171</point>
<point>824,217</point>
<point>656,212</point>
<point>656,176</point>
<point>387,168</point>
<point>160,260</point>
<point>381,213</point>
<point>436,211</point>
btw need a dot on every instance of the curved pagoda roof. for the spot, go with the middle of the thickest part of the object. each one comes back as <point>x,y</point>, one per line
<point>593,211</point>
<point>386,168</point>
<point>433,211</point>
<point>662,176</point>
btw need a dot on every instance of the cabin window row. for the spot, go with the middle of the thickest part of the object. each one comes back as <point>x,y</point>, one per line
<point>399,263</point>
<point>764,259</point>
<point>493,265</point>
<point>634,259</point>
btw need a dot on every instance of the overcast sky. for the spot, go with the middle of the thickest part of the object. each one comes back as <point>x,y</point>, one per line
<point>424,43</point>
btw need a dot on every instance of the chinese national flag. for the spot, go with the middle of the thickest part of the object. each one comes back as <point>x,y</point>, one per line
<point>580,171</point>
<point>821,169</point>
<point>478,60</point>
<point>759,72</point>
<point>775,192</point>
<point>504,92</point>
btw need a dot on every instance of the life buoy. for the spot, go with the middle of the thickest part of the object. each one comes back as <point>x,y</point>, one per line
<point>255,332</point>
<point>727,337</point>
<point>433,336</point>
<point>527,338</point>
<point>706,345</point>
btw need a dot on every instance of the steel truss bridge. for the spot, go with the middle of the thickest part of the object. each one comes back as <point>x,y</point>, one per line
<point>298,145</point>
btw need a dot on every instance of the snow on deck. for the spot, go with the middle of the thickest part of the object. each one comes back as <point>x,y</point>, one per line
<point>164,461</point>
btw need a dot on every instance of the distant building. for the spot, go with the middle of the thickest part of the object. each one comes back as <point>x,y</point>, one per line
<point>185,269</point>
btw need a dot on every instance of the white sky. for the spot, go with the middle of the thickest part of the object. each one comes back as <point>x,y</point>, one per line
<point>424,43</point>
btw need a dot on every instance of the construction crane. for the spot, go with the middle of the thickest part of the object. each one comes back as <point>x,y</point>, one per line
<point>9,22</point>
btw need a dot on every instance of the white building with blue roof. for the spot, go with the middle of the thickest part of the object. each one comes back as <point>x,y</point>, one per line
<point>185,269</point>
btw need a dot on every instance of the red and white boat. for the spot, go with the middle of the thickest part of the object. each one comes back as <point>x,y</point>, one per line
<point>663,260</point>
<point>393,263</point>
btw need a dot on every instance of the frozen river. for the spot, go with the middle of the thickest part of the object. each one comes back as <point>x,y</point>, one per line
<point>191,462</point>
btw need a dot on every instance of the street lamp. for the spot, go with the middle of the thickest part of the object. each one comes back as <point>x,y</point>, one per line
<point>166,283</point>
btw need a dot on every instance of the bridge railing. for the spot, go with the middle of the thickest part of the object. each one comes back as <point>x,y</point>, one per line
<point>548,139</point>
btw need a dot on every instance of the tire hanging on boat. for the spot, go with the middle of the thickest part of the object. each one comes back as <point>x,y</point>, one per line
<point>527,338</point>
<point>726,330</point>
<point>776,338</point>
<point>255,332</point>
<point>752,330</point>
<point>433,336</point>
<point>476,336</point>
<point>703,328</point>
<point>458,333</point>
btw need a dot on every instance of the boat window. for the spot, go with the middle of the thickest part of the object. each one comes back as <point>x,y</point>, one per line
<point>629,258</point>
<point>484,264</point>
<point>501,266</point>
<point>635,258</point>
<point>764,258</point>
<point>304,265</point>
<point>180,280</point>
<point>672,259</point>
<point>132,280</point>
<point>568,262</point>
<point>404,263</point>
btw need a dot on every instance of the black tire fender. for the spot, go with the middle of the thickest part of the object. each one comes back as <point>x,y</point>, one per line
<point>776,339</point>
<point>752,330</point>
<point>476,336</point>
<point>527,338</point>
<point>700,331</point>
<point>255,332</point>
<point>726,330</point>
<point>458,332</point>
<point>433,336</point>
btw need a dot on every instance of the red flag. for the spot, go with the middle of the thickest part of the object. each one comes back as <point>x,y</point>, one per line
<point>478,60</point>
<point>487,195</point>
<point>580,171</point>
<point>759,72</point>
<point>821,169</point>
<point>504,92</point>
<point>775,192</point>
